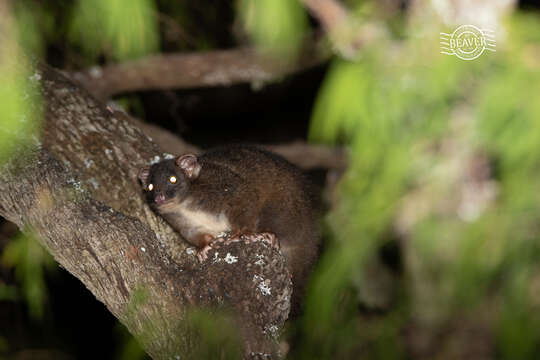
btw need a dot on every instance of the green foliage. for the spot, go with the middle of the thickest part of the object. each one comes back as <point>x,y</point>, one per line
<point>30,261</point>
<point>275,25</point>
<point>122,29</point>
<point>27,19</point>
<point>341,101</point>
<point>509,129</point>
<point>19,98</point>
<point>207,334</point>
<point>392,110</point>
<point>8,293</point>
<point>4,346</point>
<point>211,335</point>
<point>129,348</point>
<point>350,107</point>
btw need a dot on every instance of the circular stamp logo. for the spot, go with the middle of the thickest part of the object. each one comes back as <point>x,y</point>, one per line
<point>467,42</point>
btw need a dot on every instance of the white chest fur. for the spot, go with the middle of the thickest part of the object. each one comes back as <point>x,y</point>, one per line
<point>196,220</point>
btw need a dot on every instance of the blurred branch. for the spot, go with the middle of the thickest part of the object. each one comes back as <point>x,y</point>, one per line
<point>173,31</point>
<point>168,142</point>
<point>306,156</point>
<point>346,34</point>
<point>310,156</point>
<point>78,191</point>
<point>191,70</point>
<point>330,13</point>
<point>459,12</point>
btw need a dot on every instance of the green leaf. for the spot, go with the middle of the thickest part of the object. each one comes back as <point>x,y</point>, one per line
<point>121,29</point>
<point>30,260</point>
<point>274,25</point>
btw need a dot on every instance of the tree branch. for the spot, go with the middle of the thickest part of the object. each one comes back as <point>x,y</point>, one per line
<point>191,70</point>
<point>329,12</point>
<point>310,156</point>
<point>303,155</point>
<point>347,36</point>
<point>78,192</point>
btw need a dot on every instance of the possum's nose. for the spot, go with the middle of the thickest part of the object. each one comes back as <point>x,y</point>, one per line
<point>159,199</point>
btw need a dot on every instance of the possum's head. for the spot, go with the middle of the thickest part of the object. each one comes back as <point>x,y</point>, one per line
<point>168,181</point>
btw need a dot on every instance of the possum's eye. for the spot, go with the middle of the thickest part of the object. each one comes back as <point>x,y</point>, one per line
<point>172,179</point>
<point>150,187</point>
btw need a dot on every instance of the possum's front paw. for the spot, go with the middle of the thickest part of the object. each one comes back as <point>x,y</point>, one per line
<point>202,254</point>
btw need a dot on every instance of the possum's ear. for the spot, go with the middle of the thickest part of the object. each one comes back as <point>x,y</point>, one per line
<point>189,165</point>
<point>143,175</point>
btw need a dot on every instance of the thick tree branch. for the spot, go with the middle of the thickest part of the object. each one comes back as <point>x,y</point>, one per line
<point>191,70</point>
<point>78,192</point>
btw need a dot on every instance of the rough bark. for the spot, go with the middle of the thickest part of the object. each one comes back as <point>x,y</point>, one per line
<point>78,191</point>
